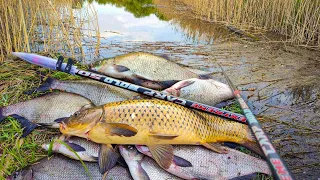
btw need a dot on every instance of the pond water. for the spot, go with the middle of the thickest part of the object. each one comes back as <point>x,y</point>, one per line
<point>125,23</point>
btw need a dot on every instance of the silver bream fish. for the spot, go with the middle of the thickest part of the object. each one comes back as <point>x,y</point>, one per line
<point>60,167</point>
<point>45,110</point>
<point>144,69</point>
<point>99,93</point>
<point>86,150</point>
<point>206,91</point>
<point>207,164</point>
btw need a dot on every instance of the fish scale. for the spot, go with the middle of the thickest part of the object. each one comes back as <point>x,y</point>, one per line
<point>155,118</point>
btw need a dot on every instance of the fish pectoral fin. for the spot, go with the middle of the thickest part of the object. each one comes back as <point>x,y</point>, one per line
<point>27,125</point>
<point>122,162</point>
<point>120,68</point>
<point>181,162</point>
<point>162,154</point>
<point>162,136</point>
<point>119,129</point>
<point>216,147</point>
<point>75,147</point>
<point>183,84</point>
<point>107,158</point>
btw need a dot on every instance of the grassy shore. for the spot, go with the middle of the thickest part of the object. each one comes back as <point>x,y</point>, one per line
<point>298,20</point>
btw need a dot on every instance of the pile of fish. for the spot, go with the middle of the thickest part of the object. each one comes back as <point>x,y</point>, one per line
<point>123,135</point>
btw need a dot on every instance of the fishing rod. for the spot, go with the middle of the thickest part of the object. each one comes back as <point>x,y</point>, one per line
<point>277,165</point>
<point>71,69</point>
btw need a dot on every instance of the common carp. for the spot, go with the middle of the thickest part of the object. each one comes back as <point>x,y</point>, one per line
<point>44,110</point>
<point>206,91</point>
<point>99,93</point>
<point>207,164</point>
<point>157,124</point>
<point>144,69</point>
<point>60,167</point>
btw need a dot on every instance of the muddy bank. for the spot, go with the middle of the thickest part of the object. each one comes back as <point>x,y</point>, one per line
<point>281,84</point>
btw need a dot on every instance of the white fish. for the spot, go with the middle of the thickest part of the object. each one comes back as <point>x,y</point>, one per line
<point>206,91</point>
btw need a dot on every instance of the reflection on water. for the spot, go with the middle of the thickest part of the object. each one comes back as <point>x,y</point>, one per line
<point>139,9</point>
<point>117,24</point>
<point>128,20</point>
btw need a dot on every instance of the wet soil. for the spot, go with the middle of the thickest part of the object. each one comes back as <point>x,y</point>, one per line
<point>281,85</point>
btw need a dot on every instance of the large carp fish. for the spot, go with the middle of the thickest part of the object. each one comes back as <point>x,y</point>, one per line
<point>157,124</point>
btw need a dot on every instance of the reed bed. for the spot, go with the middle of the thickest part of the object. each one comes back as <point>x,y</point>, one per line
<point>298,20</point>
<point>46,26</point>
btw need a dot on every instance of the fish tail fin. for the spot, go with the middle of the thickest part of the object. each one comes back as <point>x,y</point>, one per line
<point>27,125</point>
<point>252,144</point>
<point>47,85</point>
<point>2,116</point>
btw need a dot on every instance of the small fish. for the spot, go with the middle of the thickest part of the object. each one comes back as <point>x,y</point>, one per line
<point>99,93</point>
<point>206,91</point>
<point>207,164</point>
<point>45,110</point>
<point>89,151</point>
<point>144,69</point>
<point>60,167</point>
<point>157,124</point>
<point>133,159</point>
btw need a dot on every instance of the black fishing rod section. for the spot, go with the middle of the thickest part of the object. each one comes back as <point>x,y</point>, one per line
<point>276,164</point>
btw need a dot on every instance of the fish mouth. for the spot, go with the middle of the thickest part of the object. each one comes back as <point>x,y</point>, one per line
<point>62,127</point>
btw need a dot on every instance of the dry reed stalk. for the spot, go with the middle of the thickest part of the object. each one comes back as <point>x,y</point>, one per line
<point>298,20</point>
<point>46,26</point>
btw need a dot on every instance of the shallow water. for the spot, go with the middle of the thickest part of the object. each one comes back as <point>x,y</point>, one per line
<point>286,80</point>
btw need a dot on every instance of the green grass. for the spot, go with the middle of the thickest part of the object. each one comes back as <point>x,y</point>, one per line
<point>17,152</point>
<point>16,77</point>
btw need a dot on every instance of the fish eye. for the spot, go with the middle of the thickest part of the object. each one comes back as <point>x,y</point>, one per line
<point>130,147</point>
<point>76,113</point>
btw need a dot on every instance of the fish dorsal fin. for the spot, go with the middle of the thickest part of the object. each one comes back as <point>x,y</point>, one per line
<point>107,158</point>
<point>119,129</point>
<point>162,136</point>
<point>216,147</point>
<point>75,147</point>
<point>162,154</point>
